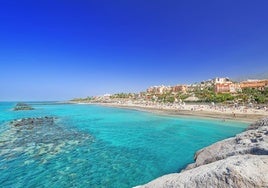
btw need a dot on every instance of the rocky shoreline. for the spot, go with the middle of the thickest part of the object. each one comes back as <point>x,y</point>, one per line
<point>240,161</point>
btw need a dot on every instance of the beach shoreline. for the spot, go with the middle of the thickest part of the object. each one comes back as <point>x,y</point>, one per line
<point>190,110</point>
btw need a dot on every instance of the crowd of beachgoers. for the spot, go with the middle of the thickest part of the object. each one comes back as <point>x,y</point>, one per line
<point>207,109</point>
<point>235,109</point>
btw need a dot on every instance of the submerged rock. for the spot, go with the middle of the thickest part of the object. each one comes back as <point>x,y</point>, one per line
<point>241,161</point>
<point>22,106</point>
<point>30,122</point>
<point>42,136</point>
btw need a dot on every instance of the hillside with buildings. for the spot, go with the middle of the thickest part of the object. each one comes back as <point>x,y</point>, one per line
<point>218,90</point>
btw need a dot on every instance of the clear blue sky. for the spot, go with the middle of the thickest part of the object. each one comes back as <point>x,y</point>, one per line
<point>54,50</point>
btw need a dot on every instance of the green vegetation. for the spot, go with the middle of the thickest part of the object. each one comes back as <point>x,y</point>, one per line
<point>222,97</point>
<point>87,99</point>
<point>213,97</point>
<point>122,96</point>
<point>208,95</point>
<point>254,95</point>
<point>248,95</point>
<point>166,98</point>
<point>182,96</point>
<point>169,97</point>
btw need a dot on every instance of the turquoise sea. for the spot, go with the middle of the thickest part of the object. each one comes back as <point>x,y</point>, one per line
<point>95,146</point>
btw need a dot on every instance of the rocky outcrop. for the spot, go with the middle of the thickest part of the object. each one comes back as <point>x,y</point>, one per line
<point>38,121</point>
<point>241,161</point>
<point>249,142</point>
<point>236,171</point>
<point>258,124</point>
<point>22,106</point>
<point>44,137</point>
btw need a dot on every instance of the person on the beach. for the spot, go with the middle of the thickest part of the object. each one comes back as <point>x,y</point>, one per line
<point>233,114</point>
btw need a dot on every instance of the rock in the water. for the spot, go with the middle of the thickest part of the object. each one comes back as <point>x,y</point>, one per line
<point>22,106</point>
<point>236,171</point>
<point>241,161</point>
<point>249,142</point>
<point>42,136</point>
<point>38,121</point>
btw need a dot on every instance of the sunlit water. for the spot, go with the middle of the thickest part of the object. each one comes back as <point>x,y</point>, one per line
<point>101,146</point>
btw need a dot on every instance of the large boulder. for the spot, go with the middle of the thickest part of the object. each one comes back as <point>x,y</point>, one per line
<point>258,124</point>
<point>249,142</point>
<point>241,161</point>
<point>236,171</point>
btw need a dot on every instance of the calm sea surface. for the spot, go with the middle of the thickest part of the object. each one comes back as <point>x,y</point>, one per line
<point>95,146</point>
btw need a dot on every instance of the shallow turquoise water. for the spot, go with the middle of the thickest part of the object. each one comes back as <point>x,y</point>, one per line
<point>128,148</point>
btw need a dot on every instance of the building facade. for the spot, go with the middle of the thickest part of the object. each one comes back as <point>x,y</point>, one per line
<point>257,84</point>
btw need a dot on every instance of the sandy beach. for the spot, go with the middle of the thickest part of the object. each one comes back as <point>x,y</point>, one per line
<point>241,113</point>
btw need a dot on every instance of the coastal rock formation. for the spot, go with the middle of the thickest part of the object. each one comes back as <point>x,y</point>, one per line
<point>249,142</point>
<point>22,106</point>
<point>236,171</point>
<point>258,124</point>
<point>40,136</point>
<point>33,122</point>
<point>241,161</point>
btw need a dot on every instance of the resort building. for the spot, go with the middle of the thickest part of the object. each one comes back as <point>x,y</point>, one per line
<point>225,85</point>
<point>159,89</point>
<point>235,87</point>
<point>220,85</point>
<point>221,80</point>
<point>179,88</point>
<point>228,87</point>
<point>257,84</point>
